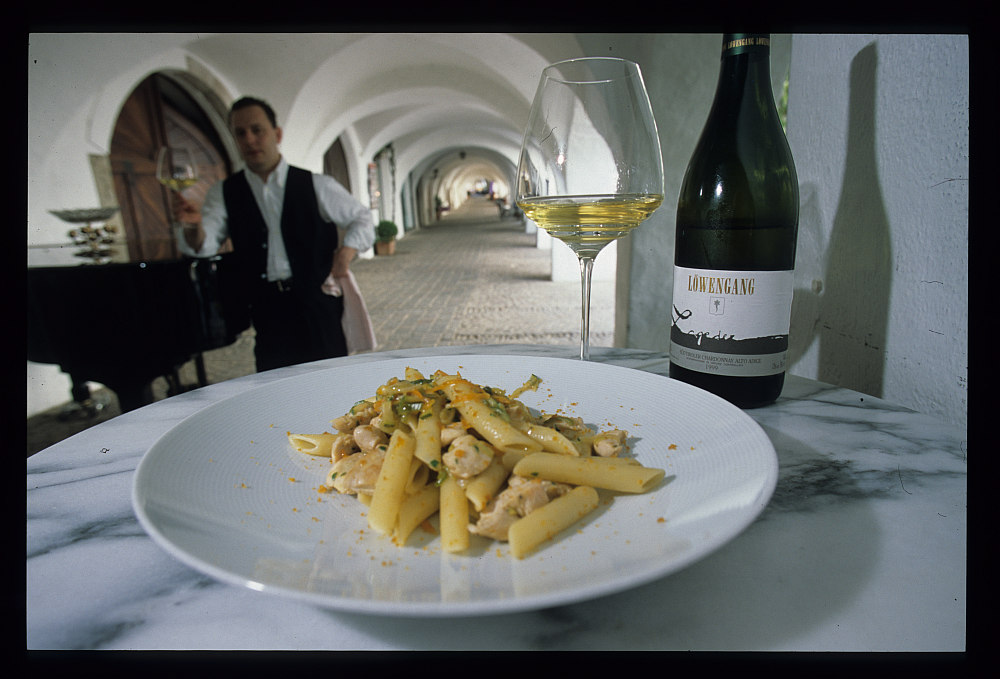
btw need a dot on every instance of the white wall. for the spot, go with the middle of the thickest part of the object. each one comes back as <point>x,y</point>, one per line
<point>879,128</point>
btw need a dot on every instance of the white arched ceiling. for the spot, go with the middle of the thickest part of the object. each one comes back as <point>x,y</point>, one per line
<point>421,92</point>
<point>269,65</point>
<point>404,87</point>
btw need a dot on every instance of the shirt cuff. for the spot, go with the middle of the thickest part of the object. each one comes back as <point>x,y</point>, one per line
<point>358,240</point>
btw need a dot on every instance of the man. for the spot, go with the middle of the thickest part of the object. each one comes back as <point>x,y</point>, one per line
<point>283,224</point>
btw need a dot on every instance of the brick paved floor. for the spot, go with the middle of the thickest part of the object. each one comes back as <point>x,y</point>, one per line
<point>475,279</point>
<point>471,278</point>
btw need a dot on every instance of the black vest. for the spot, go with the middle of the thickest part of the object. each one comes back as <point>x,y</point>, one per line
<point>309,240</point>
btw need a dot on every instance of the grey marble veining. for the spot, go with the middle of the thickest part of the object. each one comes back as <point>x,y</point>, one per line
<point>861,548</point>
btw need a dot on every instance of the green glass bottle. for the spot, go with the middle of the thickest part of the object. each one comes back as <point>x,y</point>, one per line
<point>737,224</point>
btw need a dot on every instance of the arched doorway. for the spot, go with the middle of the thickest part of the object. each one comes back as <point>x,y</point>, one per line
<point>335,164</point>
<point>159,112</point>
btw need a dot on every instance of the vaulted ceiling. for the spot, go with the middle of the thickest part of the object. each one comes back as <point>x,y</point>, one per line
<point>451,102</point>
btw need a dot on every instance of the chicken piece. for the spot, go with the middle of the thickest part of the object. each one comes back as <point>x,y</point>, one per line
<point>533,493</point>
<point>467,456</point>
<point>356,474</point>
<point>496,520</point>
<point>368,437</point>
<point>343,445</point>
<point>376,422</point>
<point>609,443</point>
<point>521,497</point>
<point>361,413</point>
<point>451,432</point>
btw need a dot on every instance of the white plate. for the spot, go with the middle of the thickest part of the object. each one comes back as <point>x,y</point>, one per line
<point>226,494</point>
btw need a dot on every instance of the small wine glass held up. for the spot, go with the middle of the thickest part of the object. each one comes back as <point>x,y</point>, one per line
<point>590,168</point>
<point>176,169</point>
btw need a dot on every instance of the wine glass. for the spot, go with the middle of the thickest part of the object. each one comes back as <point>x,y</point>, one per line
<point>590,168</point>
<point>175,168</point>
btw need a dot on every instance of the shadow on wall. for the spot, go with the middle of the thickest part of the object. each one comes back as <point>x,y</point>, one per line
<point>850,309</point>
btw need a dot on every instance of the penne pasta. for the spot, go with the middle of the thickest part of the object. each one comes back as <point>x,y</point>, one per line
<point>428,433</point>
<point>482,488</point>
<point>501,434</point>
<point>488,419</point>
<point>551,440</point>
<point>414,510</point>
<point>608,473</point>
<point>391,483</point>
<point>483,461</point>
<point>417,478</point>
<point>320,445</point>
<point>528,532</point>
<point>510,460</point>
<point>454,516</point>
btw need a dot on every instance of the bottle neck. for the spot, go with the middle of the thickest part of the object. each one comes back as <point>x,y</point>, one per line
<point>745,69</point>
<point>734,44</point>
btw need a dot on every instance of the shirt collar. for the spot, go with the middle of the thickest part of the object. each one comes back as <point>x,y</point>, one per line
<point>276,178</point>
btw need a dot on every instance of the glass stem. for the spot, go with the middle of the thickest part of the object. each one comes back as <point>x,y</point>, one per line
<point>586,269</point>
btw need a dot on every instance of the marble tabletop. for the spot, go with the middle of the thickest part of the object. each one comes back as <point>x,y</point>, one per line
<point>862,548</point>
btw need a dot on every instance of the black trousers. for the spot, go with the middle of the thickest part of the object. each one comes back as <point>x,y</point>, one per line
<point>296,325</point>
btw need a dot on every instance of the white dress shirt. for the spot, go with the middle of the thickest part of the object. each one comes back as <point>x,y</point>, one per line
<point>336,205</point>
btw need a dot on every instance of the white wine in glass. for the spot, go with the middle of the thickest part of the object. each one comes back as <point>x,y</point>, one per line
<point>590,169</point>
<point>175,168</point>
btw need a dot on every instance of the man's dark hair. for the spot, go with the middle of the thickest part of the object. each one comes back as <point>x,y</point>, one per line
<point>246,102</point>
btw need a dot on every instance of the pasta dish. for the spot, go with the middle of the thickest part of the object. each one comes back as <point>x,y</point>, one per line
<point>476,456</point>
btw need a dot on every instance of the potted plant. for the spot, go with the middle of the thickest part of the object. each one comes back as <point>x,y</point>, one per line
<point>385,237</point>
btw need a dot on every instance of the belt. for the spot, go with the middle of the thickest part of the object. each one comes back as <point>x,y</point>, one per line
<point>278,286</point>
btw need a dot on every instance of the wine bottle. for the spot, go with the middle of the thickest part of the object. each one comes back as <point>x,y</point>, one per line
<point>734,253</point>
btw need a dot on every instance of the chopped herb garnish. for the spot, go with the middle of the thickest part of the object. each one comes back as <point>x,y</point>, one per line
<point>442,475</point>
<point>497,408</point>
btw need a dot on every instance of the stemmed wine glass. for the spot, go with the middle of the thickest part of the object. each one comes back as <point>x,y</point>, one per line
<point>590,168</point>
<point>175,168</point>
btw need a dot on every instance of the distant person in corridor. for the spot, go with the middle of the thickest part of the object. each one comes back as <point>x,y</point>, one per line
<point>283,224</point>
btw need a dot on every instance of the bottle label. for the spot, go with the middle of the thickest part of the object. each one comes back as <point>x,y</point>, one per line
<point>732,323</point>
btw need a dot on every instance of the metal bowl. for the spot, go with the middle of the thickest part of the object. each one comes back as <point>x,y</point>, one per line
<point>85,215</point>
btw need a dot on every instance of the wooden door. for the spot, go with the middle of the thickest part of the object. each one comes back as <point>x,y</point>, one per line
<point>152,117</point>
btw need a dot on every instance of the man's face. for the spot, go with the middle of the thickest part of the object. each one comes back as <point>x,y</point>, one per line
<point>256,139</point>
